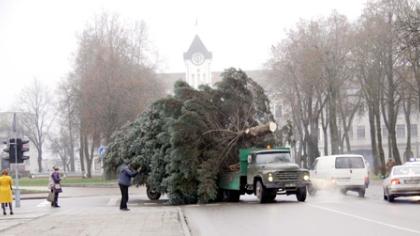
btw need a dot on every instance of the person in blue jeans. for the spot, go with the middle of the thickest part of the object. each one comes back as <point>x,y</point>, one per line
<point>124,180</point>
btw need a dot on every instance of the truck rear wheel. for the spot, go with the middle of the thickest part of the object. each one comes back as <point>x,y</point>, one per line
<point>232,195</point>
<point>152,194</point>
<point>301,194</point>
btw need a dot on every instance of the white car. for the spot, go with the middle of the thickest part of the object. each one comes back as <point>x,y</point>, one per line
<point>348,172</point>
<point>403,180</point>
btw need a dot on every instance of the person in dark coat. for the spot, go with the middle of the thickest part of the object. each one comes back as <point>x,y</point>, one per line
<point>55,185</point>
<point>124,180</point>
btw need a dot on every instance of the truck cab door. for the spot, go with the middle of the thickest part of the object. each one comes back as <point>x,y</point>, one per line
<point>251,169</point>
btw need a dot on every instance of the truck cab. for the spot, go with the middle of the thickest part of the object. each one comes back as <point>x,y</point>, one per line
<point>266,173</point>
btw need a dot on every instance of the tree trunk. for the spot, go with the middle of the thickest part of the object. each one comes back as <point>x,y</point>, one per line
<point>87,156</point>
<point>313,151</point>
<point>332,115</point>
<point>376,159</point>
<point>325,131</point>
<point>379,136</point>
<point>391,94</point>
<point>71,153</point>
<point>81,153</point>
<point>407,112</point>
<point>40,160</point>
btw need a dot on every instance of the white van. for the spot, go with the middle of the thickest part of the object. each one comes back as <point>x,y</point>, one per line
<point>347,172</point>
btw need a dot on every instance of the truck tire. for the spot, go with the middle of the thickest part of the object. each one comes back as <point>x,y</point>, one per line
<point>152,194</point>
<point>271,195</point>
<point>232,195</point>
<point>220,196</point>
<point>301,194</point>
<point>391,198</point>
<point>261,192</point>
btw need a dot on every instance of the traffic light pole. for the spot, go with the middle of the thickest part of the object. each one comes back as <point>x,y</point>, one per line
<point>17,190</point>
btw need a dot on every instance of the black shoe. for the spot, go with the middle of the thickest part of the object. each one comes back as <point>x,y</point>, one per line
<point>124,209</point>
<point>4,213</point>
<point>11,213</point>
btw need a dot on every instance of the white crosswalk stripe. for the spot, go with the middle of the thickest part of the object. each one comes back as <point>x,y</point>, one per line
<point>44,204</point>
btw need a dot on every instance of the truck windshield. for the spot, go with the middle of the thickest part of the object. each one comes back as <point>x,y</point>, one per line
<point>274,157</point>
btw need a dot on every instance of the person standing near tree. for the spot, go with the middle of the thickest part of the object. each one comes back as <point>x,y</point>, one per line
<point>124,180</point>
<point>55,185</point>
<point>6,191</point>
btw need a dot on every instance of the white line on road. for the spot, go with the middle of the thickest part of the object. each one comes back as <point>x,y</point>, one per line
<point>44,204</point>
<point>365,219</point>
<point>112,201</point>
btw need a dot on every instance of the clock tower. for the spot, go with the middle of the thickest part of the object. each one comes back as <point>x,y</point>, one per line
<point>197,64</point>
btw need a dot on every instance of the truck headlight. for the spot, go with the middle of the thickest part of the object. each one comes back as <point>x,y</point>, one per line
<point>270,177</point>
<point>306,177</point>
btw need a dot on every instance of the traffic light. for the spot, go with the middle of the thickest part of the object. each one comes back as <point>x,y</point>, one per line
<point>22,147</point>
<point>10,149</point>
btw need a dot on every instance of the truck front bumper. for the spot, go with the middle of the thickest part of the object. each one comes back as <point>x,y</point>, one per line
<point>286,185</point>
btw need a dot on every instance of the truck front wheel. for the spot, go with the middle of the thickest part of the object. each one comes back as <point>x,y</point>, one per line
<point>301,194</point>
<point>261,192</point>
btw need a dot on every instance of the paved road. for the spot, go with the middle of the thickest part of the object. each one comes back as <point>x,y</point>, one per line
<point>325,214</point>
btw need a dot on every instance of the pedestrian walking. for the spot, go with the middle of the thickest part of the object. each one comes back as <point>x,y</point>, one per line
<point>124,180</point>
<point>55,185</point>
<point>6,198</point>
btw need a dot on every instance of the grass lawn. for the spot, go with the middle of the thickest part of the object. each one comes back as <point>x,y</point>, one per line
<point>68,181</point>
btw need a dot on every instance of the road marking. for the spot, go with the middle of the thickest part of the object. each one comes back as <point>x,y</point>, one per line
<point>365,219</point>
<point>112,201</point>
<point>44,204</point>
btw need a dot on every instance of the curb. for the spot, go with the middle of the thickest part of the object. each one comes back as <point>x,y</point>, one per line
<point>183,222</point>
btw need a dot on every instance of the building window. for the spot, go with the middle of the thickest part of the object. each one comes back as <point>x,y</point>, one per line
<point>361,132</point>
<point>400,131</point>
<point>414,130</point>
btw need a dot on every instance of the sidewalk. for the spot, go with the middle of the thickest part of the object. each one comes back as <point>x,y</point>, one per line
<point>94,211</point>
<point>105,221</point>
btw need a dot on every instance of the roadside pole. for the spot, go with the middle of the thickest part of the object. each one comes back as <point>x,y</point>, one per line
<point>17,190</point>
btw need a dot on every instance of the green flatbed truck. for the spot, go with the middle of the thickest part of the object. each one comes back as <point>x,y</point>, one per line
<point>265,173</point>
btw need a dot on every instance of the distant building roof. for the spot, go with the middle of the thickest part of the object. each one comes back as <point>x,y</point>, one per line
<point>197,46</point>
<point>260,76</point>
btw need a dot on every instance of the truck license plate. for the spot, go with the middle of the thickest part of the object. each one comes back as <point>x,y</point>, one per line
<point>290,185</point>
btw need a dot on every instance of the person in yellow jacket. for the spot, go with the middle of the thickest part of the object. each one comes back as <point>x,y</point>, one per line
<point>6,191</point>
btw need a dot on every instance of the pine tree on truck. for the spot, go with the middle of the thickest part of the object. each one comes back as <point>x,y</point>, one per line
<point>265,173</point>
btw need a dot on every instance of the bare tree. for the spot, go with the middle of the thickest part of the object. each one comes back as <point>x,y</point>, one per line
<point>113,79</point>
<point>37,117</point>
<point>298,71</point>
<point>68,120</point>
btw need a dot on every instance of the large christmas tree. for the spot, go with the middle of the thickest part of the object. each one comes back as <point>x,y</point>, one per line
<point>184,141</point>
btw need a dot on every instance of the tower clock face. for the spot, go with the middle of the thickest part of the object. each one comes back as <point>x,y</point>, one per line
<point>197,58</point>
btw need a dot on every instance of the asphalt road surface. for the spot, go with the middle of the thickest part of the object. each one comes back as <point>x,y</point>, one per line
<point>327,213</point>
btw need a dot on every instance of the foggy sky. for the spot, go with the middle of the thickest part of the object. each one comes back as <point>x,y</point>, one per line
<point>39,38</point>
